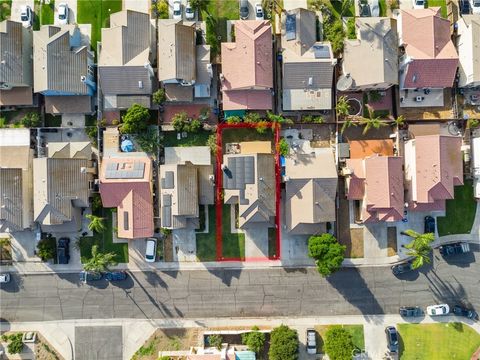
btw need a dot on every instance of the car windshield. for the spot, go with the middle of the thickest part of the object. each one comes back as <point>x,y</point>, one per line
<point>189,10</point>
<point>419,2</point>
<point>24,17</point>
<point>61,16</point>
<point>176,12</point>
<point>394,337</point>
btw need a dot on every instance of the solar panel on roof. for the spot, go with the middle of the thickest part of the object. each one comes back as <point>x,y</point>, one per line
<point>291,27</point>
<point>321,51</point>
<point>115,171</point>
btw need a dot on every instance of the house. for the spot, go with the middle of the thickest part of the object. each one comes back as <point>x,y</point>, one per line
<point>126,183</point>
<point>249,182</point>
<point>16,79</point>
<point>62,184</point>
<point>16,187</point>
<point>433,167</point>
<point>183,67</point>
<point>63,70</point>
<point>476,166</point>
<point>428,58</point>
<point>376,41</point>
<point>469,50</point>
<point>307,65</point>
<point>125,73</point>
<point>311,189</point>
<point>247,67</point>
<point>374,181</point>
<point>186,182</point>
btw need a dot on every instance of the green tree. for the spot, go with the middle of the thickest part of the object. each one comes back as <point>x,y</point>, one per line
<point>283,344</point>
<point>372,121</point>
<point>351,31</point>
<point>343,107</point>
<point>215,341</point>
<point>96,223</point>
<point>31,119</point>
<point>3,122</point>
<point>234,120</point>
<point>99,262</point>
<point>419,247</point>
<point>149,141</point>
<point>193,125</point>
<point>347,122</point>
<point>278,118</point>
<point>212,143</point>
<point>399,121</point>
<point>179,121</point>
<point>15,345</point>
<point>333,31</point>
<point>159,97</point>
<point>338,343</point>
<point>327,253</point>
<point>200,5</point>
<point>473,123</point>
<point>47,248</point>
<point>161,8</point>
<point>284,147</point>
<point>252,118</point>
<point>255,340</point>
<point>135,120</point>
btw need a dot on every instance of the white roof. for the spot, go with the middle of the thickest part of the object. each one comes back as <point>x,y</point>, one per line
<point>197,155</point>
<point>14,137</point>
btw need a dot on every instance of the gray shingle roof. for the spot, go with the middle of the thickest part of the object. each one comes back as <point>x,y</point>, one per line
<point>296,75</point>
<point>125,80</point>
<point>11,198</point>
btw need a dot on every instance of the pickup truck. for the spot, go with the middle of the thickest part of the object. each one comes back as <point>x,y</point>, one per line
<point>454,249</point>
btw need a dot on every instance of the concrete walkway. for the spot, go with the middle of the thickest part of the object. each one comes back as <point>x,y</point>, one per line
<point>293,4</point>
<point>61,334</point>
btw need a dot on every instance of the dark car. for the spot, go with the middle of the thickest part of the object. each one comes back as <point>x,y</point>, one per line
<point>454,249</point>
<point>116,275</point>
<point>468,313</point>
<point>244,9</point>
<point>392,338</point>
<point>410,311</point>
<point>429,225</point>
<point>364,10</point>
<point>402,268</point>
<point>63,250</point>
<point>89,276</point>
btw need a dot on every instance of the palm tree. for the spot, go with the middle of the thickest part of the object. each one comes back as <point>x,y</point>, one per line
<point>399,121</point>
<point>419,247</point>
<point>343,107</point>
<point>347,122</point>
<point>371,121</point>
<point>99,262</point>
<point>278,118</point>
<point>96,223</point>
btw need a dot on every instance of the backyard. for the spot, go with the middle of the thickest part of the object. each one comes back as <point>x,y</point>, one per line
<point>235,135</point>
<point>104,241</point>
<point>355,330</point>
<point>441,341</point>
<point>336,7</point>
<point>193,139</point>
<point>460,213</point>
<point>97,13</point>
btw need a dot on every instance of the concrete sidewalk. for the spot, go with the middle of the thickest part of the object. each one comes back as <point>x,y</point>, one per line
<point>61,334</point>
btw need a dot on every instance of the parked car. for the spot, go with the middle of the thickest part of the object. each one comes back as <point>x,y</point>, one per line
<point>462,311</point>
<point>418,4</point>
<point>258,12</point>
<point>189,12</point>
<point>116,275</point>
<point>177,10</point>
<point>437,310</point>
<point>429,225</point>
<point>4,278</point>
<point>392,338</point>
<point>151,250</point>
<point>402,268</point>
<point>364,9</point>
<point>244,9</point>
<point>475,6</point>
<point>63,250</point>
<point>374,8</point>
<point>26,16</point>
<point>465,7</point>
<point>454,249</point>
<point>311,342</point>
<point>89,276</point>
<point>410,311</point>
<point>63,13</point>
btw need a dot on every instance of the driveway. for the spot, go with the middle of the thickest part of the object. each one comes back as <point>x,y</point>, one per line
<point>293,4</point>
<point>16,5</point>
<point>136,5</point>
<point>72,13</point>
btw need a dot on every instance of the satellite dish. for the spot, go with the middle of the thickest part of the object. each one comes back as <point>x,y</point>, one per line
<point>344,83</point>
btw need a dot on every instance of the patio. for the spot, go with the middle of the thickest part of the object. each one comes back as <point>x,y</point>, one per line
<point>436,105</point>
<point>421,98</point>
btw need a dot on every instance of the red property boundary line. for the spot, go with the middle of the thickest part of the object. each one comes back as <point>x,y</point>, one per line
<point>219,188</point>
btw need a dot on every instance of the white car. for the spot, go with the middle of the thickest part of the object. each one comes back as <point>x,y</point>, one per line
<point>374,8</point>
<point>151,250</point>
<point>4,278</point>
<point>418,4</point>
<point>63,14</point>
<point>258,12</point>
<point>189,12</point>
<point>26,16</point>
<point>177,10</point>
<point>475,5</point>
<point>435,310</point>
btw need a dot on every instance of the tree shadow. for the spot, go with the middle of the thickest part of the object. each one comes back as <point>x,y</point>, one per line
<point>226,275</point>
<point>461,260</point>
<point>158,305</point>
<point>290,270</point>
<point>15,284</point>
<point>445,292</point>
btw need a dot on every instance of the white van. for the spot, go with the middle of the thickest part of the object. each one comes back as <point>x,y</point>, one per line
<point>151,250</point>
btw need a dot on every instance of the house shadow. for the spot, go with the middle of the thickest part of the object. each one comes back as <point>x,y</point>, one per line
<point>226,275</point>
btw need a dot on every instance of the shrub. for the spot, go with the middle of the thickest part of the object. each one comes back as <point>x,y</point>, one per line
<point>3,122</point>
<point>394,4</point>
<point>234,120</point>
<point>338,343</point>
<point>159,97</point>
<point>115,122</point>
<point>212,143</point>
<point>47,248</point>
<point>283,344</point>
<point>333,32</point>
<point>161,8</point>
<point>327,253</point>
<point>181,122</point>
<point>252,118</point>
<point>351,34</point>
<point>15,346</point>
<point>215,341</point>
<point>135,120</point>
<point>284,147</point>
<point>92,133</point>
<point>96,203</point>
<point>473,123</point>
<point>255,340</point>
<point>31,119</point>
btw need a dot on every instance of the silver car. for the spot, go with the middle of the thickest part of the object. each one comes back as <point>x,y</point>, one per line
<point>151,250</point>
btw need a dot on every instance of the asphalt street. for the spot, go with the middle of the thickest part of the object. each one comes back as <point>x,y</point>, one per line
<point>242,293</point>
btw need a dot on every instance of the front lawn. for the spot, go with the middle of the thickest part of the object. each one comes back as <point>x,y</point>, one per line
<point>206,242</point>
<point>47,13</point>
<point>193,139</point>
<point>438,3</point>
<point>5,9</point>
<point>460,212</point>
<point>97,13</point>
<point>437,341</point>
<point>233,245</point>
<point>356,331</point>
<point>104,241</point>
<point>383,7</point>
